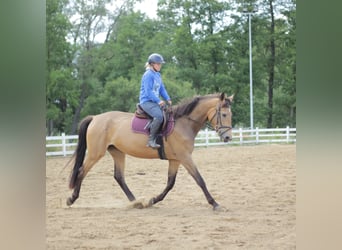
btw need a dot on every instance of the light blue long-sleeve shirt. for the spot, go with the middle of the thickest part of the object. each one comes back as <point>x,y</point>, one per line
<point>152,87</point>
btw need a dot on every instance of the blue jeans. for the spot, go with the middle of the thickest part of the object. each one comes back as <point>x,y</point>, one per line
<point>154,110</point>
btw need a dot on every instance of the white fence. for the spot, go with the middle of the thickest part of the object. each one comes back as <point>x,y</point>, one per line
<point>66,144</point>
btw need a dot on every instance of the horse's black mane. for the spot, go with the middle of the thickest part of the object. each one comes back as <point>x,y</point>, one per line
<point>185,107</point>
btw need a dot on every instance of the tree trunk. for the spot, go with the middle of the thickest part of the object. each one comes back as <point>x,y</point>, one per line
<point>50,127</point>
<point>78,110</point>
<point>271,70</point>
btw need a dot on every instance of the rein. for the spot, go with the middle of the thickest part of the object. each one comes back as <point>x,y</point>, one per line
<point>193,120</point>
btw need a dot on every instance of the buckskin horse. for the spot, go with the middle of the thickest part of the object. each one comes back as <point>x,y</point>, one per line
<point>112,132</point>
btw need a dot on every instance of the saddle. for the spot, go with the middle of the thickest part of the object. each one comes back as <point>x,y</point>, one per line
<point>141,114</point>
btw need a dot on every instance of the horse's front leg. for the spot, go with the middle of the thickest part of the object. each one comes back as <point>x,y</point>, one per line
<point>171,179</point>
<point>193,171</point>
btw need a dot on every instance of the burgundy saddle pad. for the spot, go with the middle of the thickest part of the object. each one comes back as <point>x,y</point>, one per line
<point>139,126</point>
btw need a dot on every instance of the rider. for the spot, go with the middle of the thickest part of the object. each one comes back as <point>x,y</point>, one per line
<point>151,89</point>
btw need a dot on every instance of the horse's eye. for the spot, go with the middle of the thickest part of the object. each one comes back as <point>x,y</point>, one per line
<point>224,115</point>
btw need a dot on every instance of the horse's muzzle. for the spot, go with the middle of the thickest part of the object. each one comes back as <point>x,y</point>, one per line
<point>226,134</point>
<point>227,138</point>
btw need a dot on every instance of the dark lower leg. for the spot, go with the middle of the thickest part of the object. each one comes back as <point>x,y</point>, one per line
<point>121,181</point>
<point>170,183</point>
<point>199,180</point>
<point>75,193</point>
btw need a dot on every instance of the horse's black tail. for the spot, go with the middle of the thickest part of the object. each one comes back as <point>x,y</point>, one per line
<point>80,150</point>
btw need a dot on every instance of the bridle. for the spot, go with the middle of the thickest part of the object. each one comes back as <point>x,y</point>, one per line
<point>218,128</point>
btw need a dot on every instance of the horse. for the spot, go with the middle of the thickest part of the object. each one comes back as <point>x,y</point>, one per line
<point>111,132</point>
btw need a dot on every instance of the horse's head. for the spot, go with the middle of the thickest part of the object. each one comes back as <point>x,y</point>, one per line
<point>220,118</point>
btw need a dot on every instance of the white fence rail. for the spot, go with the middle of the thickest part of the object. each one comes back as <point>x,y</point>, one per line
<point>66,144</point>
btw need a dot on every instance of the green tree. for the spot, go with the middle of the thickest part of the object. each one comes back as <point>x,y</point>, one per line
<point>59,82</point>
<point>88,22</point>
<point>271,30</point>
<point>205,45</point>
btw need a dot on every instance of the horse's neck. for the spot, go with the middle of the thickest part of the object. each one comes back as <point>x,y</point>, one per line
<point>202,111</point>
<point>200,115</point>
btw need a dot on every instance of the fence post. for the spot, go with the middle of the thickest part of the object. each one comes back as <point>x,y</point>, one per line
<point>257,135</point>
<point>287,134</point>
<point>240,135</point>
<point>64,144</point>
<point>206,137</point>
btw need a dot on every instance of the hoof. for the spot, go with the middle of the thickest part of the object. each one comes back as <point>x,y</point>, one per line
<point>138,205</point>
<point>151,202</point>
<point>216,207</point>
<point>220,209</point>
<point>69,202</point>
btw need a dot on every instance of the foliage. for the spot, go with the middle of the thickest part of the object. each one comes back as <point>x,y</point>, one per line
<point>60,90</point>
<point>205,45</point>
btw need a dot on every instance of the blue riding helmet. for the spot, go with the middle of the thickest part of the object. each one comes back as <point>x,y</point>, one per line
<point>155,58</point>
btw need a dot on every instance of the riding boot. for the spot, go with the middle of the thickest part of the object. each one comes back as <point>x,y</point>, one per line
<point>154,127</point>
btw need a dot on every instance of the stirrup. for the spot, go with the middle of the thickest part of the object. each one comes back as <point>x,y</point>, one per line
<point>152,144</point>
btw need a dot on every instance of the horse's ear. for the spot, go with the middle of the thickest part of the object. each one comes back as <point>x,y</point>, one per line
<point>230,98</point>
<point>223,96</point>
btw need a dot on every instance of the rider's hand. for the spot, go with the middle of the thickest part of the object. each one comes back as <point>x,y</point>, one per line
<point>161,103</point>
<point>170,102</point>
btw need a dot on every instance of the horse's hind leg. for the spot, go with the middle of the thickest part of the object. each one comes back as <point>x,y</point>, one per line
<point>77,188</point>
<point>119,171</point>
<point>171,179</point>
<point>87,165</point>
